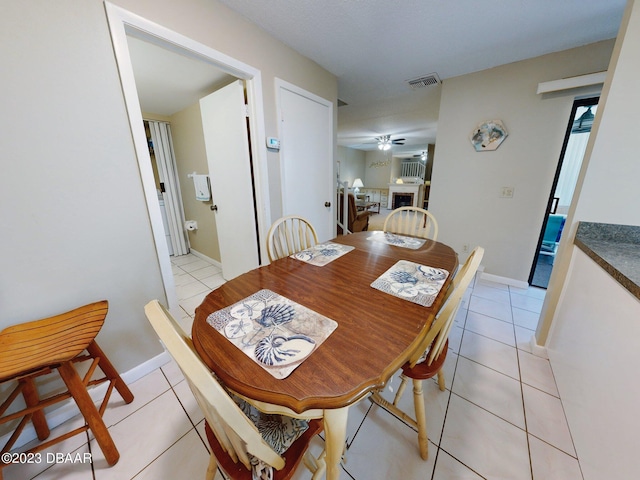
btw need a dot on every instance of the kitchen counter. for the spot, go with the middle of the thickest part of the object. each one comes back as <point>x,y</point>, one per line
<point>616,248</point>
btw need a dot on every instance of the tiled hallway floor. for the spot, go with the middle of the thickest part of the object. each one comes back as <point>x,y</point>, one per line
<point>500,417</point>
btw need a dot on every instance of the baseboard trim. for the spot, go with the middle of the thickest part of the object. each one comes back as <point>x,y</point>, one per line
<point>68,408</point>
<point>204,257</point>
<point>504,280</point>
<point>538,350</point>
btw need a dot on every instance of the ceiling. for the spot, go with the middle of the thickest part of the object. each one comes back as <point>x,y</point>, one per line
<point>374,46</point>
<point>168,82</point>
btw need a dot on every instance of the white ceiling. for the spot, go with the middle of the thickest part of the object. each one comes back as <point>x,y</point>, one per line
<point>374,46</point>
<point>168,82</point>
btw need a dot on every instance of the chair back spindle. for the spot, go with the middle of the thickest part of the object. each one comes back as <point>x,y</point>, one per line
<point>439,332</point>
<point>289,235</point>
<point>413,221</point>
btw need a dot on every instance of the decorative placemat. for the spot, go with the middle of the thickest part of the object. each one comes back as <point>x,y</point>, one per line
<point>398,240</point>
<point>414,282</point>
<point>273,331</point>
<point>322,253</point>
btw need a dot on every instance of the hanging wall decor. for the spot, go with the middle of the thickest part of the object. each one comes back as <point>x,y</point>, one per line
<point>488,135</point>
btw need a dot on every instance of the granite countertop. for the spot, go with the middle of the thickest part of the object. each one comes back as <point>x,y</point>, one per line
<point>616,248</point>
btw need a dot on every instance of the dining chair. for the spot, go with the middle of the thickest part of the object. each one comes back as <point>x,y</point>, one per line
<point>413,221</point>
<point>244,442</point>
<point>430,356</point>
<point>289,235</point>
<point>40,348</point>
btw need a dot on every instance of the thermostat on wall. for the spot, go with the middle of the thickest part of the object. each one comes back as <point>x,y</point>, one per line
<point>273,143</point>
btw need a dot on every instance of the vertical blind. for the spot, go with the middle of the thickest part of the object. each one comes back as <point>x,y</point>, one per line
<point>168,172</point>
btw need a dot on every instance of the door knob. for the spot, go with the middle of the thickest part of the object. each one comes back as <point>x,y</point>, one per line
<point>327,204</point>
<point>214,208</point>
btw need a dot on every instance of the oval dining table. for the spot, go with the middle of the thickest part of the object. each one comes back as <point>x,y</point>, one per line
<point>375,335</point>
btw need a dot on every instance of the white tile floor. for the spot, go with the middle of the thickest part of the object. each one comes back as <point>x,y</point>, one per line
<point>500,416</point>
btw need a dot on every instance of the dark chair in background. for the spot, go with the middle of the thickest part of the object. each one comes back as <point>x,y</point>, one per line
<point>357,221</point>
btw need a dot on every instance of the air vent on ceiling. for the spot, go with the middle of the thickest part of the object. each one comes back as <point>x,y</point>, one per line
<point>341,103</point>
<point>424,81</point>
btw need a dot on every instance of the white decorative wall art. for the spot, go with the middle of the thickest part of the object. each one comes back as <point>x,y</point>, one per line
<point>488,135</point>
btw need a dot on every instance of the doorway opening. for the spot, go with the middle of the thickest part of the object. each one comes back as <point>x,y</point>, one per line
<point>124,25</point>
<point>564,183</point>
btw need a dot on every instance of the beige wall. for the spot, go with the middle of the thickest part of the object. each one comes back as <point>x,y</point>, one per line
<point>73,217</point>
<point>466,184</point>
<point>191,156</point>
<point>352,164</point>
<point>380,176</point>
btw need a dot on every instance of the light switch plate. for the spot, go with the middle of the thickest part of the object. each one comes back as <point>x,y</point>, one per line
<point>506,192</point>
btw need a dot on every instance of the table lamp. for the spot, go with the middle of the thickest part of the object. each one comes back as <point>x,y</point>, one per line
<point>357,183</point>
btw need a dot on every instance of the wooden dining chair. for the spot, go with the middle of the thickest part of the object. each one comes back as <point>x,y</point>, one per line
<point>289,235</point>
<point>413,221</point>
<point>429,358</point>
<point>42,347</point>
<point>243,440</point>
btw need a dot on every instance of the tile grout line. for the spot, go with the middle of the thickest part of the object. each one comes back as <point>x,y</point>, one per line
<point>446,412</point>
<point>524,410</point>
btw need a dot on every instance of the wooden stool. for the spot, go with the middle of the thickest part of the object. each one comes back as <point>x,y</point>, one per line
<point>40,347</point>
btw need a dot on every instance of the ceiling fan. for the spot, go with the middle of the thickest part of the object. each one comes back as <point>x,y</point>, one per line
<point>385,142</point>
<point>423,155</point>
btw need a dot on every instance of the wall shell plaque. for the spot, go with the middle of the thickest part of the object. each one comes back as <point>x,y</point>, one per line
<point>488,135</point>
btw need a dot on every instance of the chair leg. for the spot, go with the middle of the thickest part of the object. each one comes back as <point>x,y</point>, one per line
<point>89,412</point>
<point>441,382</point>
<point>32,399</point>
<point>211,469</point>
<point>421,419</point>
<point>401,388</point>
<point>109,370</point>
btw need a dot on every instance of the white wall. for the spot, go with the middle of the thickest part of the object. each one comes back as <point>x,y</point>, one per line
<point>607,188</point>
<point>72,213</point>
<point>466,184</point>
<point>593,339</point>
<point>595,359</point>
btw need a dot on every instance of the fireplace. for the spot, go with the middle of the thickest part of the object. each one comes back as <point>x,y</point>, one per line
<point>401,199</point>
<point>405,195</point>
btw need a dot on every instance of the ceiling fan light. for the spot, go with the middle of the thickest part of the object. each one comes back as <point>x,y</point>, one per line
<point>387,146</point>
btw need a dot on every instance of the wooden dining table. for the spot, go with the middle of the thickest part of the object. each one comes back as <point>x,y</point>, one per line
<point>375,335</point>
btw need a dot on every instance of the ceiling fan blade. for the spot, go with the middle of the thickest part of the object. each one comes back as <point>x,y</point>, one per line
<point>398,140</point>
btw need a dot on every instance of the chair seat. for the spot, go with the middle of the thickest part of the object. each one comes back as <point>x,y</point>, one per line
<point>292,455</point>
<point>423,371</point>
<point>56,344</point>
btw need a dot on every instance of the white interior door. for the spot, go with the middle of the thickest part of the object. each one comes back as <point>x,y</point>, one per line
<point>306,134</point>
<point>226,140</point>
